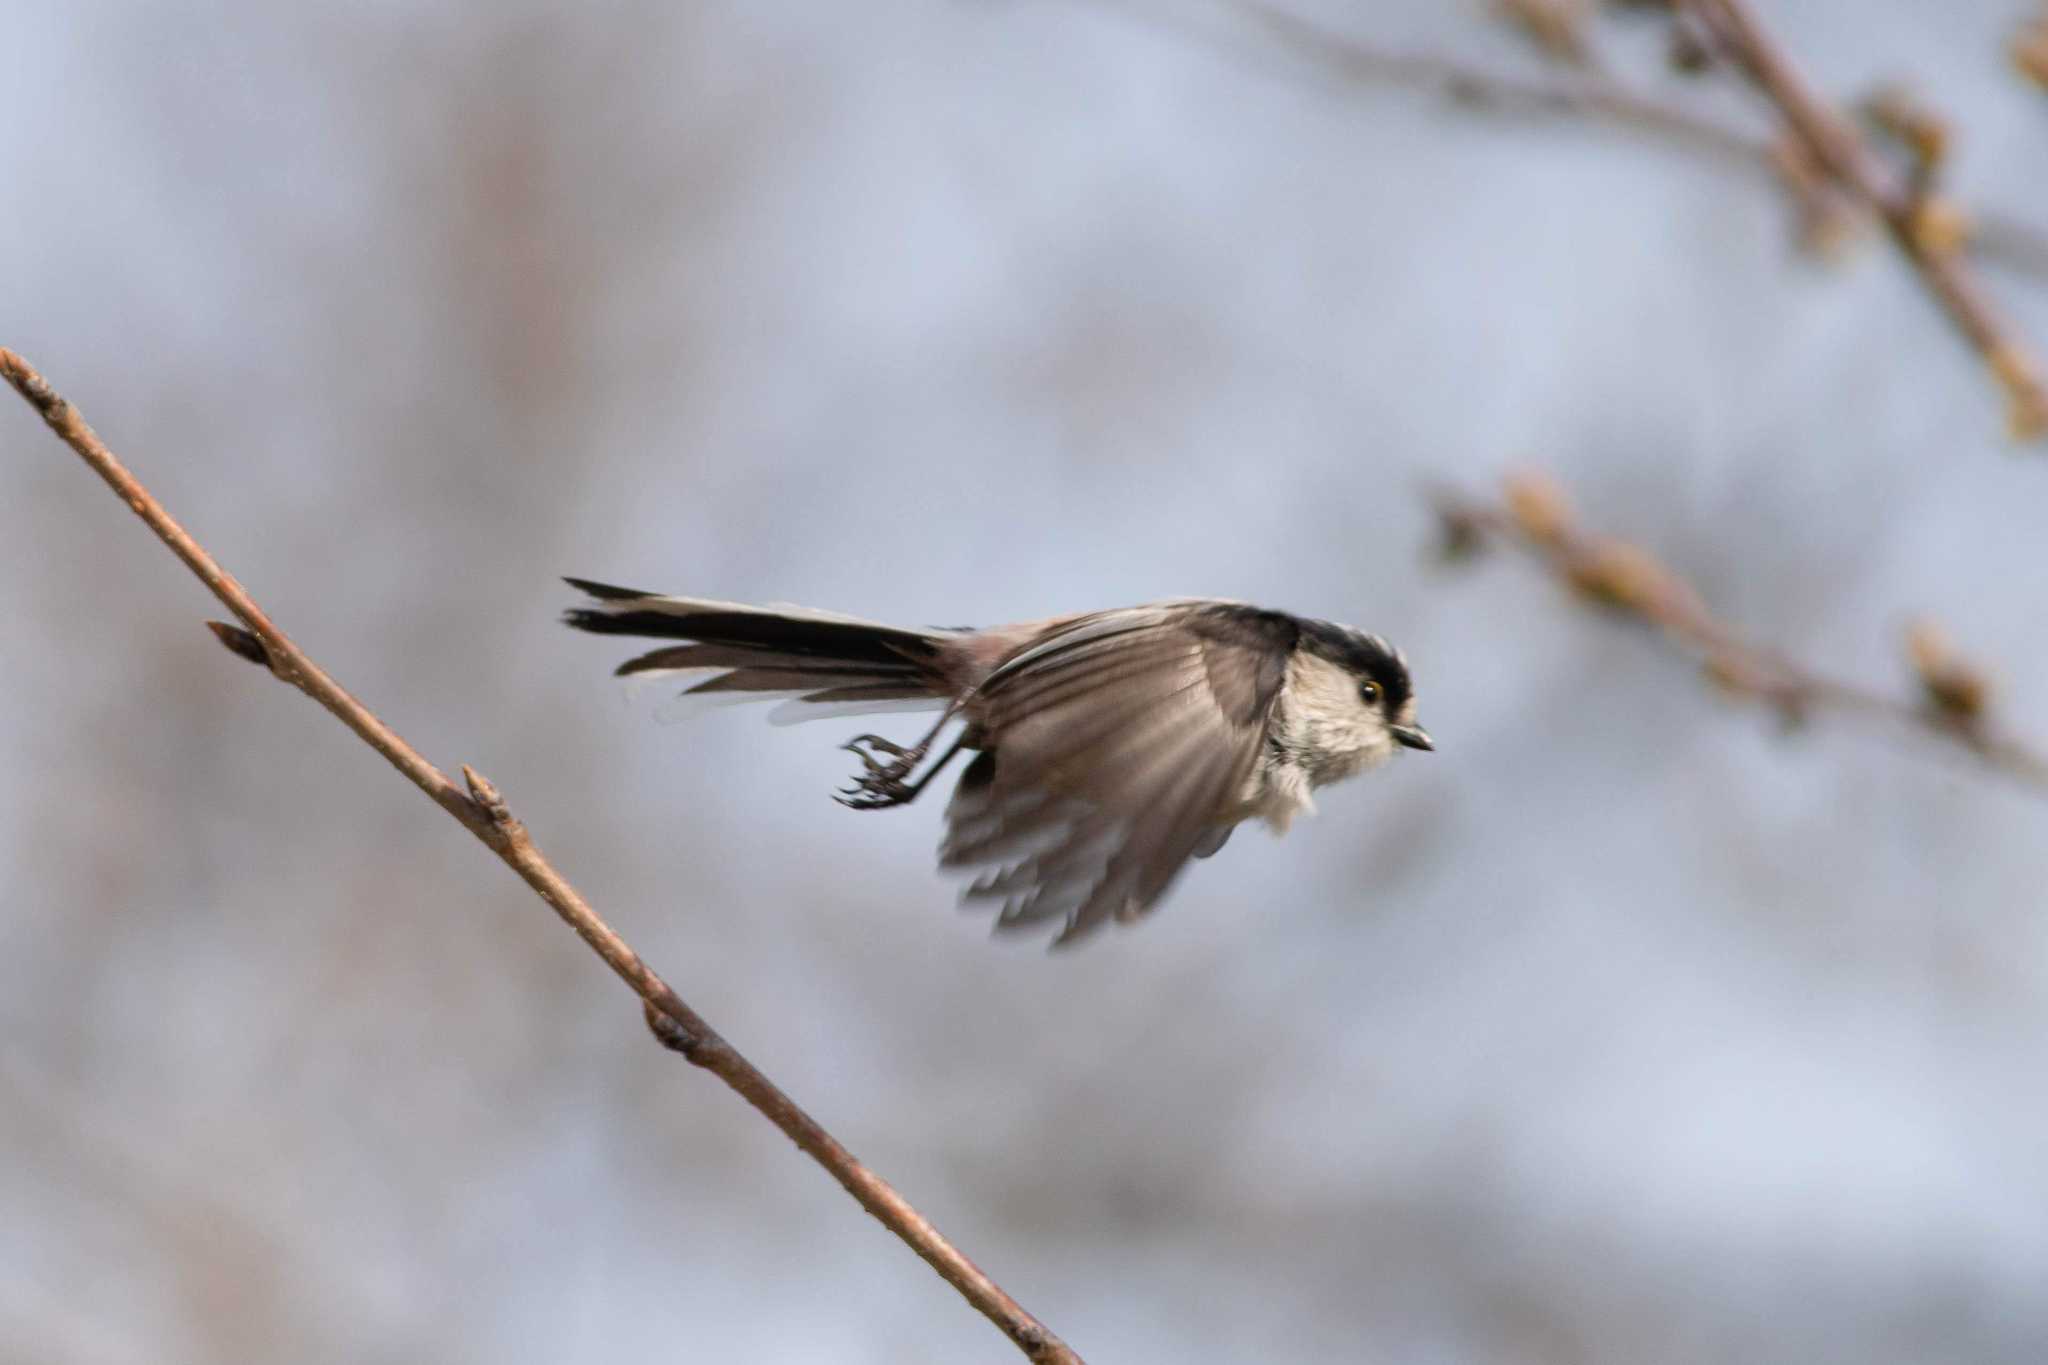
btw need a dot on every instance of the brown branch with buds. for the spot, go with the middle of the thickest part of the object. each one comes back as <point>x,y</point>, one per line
<point>1559,28</point>
<point>1834,181</point>
<point>2029,48</point>
<point>1925,226</point>
<point>1587,91</point>
<point>1955,701</point>
<point>483,812</point>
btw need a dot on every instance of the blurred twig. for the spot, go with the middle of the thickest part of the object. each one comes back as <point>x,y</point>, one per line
<point>1576,95</point>
<point>1596,96</point>
<point>482,811</point>
<point>2029,47</point>
<point>1832,178</point>
<point>1911,210</point>
<point>1560,28</point>
<point>1585,92</point>
<point>1534,515</point>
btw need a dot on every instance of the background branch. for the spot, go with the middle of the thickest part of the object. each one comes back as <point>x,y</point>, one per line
<point>1594,94</point>
<point>1832,177</point>
<point>1908,209</point>
<point>2029,48</point>
<point>483,812</point>
<point>1534,516</point>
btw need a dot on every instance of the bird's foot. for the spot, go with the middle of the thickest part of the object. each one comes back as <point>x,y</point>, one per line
<point>883,784</point>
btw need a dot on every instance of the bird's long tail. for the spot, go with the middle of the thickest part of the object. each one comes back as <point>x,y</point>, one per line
<point>824,664</point>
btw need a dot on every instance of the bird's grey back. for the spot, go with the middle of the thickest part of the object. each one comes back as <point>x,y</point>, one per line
<point>1115,748</point>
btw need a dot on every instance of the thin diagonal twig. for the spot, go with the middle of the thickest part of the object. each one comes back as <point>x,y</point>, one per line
<point>1937,237</point>
<point>1576,94</point>
<point>1592,95</point>
<point>482,811</point>
<point>1836,146</point>
<point>1534,516</point>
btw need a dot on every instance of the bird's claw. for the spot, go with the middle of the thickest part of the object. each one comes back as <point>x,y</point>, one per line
<point>874,792</point>
<point>877,800</point>
<point>883,784</point>
<point>861,745</point>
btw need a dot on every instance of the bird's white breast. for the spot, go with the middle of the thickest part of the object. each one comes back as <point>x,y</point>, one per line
<point>1276,794</point>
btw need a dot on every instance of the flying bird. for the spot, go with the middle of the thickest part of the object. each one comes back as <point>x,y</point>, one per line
<point>1110,747</point>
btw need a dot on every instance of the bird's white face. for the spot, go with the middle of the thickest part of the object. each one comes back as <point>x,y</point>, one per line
<point>1337,724</point>
<point>1329,728</point>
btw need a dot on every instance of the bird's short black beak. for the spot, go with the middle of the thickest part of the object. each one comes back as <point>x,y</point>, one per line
<point>1414,736</point>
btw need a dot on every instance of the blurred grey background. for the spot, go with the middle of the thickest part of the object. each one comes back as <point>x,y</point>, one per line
<point>1621,1029</point>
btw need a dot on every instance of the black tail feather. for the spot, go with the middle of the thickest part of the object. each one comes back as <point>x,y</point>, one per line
<point>605,592</point>
<point>838,640</point>
<point>766,649</point>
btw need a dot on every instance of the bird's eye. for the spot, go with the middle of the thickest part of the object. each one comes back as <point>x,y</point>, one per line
<point>1369,692</point>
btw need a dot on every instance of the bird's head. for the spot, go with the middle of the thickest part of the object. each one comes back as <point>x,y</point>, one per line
<point>1352,700</point>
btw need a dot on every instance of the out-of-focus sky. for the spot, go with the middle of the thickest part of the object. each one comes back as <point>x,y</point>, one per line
<point>1621,1029</point>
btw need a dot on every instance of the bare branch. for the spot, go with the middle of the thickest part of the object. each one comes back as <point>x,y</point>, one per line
<point>1597,96</point>
<point>1937,235</point>
<point>1906,214</point>
<point>1559,28</point>
<point>1574,95</point>
<point>2029,48</point>
<point>483,812</point>
<point>1628,580</point>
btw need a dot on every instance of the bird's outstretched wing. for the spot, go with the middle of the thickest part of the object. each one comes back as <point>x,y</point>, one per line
<point>1111,747</point>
